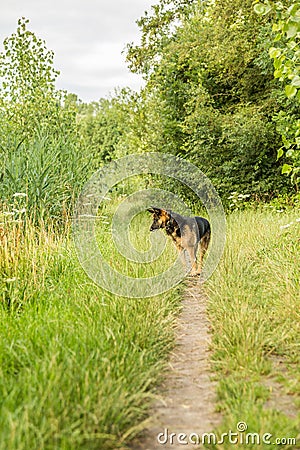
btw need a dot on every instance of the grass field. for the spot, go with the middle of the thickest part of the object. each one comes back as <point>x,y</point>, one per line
<point>255,315</point>
<point>79,365</point>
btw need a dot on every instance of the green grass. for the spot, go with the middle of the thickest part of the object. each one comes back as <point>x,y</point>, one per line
<point>254,311</point>
<point>78,365</point>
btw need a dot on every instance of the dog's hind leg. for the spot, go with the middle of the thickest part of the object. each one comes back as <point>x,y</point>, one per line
<point>204,242</point>
<point>193,261</point>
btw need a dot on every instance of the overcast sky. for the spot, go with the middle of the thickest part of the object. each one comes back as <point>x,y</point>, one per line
<point>87,37</point>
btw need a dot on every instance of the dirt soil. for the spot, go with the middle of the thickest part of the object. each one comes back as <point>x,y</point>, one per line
<point>280,399</point>
<point>187,397</point>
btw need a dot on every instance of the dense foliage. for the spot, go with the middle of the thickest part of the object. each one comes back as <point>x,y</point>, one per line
<point>212,93</point>
<point>210,96</point>
<point>40,156</point>
<point>285,54</point>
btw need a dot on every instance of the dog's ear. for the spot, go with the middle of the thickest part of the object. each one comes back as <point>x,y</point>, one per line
<point>154,210</point>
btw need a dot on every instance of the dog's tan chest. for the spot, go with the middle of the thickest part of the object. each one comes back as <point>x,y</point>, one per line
<point>176,239</point>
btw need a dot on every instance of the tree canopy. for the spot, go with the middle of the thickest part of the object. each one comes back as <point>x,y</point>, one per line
<point>212,91</point>
<point>222,90</point>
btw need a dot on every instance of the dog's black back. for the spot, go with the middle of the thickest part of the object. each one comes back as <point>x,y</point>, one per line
<point>199,225</point>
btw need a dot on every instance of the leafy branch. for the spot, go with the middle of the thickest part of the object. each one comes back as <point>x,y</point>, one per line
<point>285,53</point>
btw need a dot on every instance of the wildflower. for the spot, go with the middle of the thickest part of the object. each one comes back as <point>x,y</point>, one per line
<point>285,226</point>
<point>19,194</point>
<point>23,210</point>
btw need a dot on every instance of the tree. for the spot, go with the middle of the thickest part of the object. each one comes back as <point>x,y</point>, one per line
<point>104,126</point>
<point>28,98</point>
<point>211,91</point>
<point>157,30</point>
<point>40,157</point>
<point>285,53</point>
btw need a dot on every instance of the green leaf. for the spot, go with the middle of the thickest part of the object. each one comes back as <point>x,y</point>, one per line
<point>276,27</point>
<point>274,52</point>
<point>286,168</point>
<point>290,152</point>
<point>277,37</point>
<point>279,153</point>
<point>290,90</point>
<point>278,73</point>
<point>291,29</point>
<point>293,9</point>
<point>259,8</point>
<point>296,81</point>
<point>262,8</point>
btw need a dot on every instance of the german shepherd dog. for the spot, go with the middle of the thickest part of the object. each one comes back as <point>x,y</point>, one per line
<point>186,232</point>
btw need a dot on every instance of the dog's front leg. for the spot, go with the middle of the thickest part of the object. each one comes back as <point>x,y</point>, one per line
<point>183,258</point>
<point>182,254</point>
<point>192,261</point>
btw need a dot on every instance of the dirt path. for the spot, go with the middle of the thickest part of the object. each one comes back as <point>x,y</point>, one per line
<point>187,403</point>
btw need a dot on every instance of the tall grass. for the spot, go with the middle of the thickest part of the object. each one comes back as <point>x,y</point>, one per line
<point>78,365</point>
<point>48,170</point>
<point>254,310</point>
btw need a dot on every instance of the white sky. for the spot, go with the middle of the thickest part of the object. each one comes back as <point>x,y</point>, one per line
<point>87,37</point>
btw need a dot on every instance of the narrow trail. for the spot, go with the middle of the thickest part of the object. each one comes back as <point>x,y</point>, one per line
<point>188,399</point>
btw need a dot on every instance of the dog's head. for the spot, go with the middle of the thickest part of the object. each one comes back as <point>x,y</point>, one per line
<point>161,218</point>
